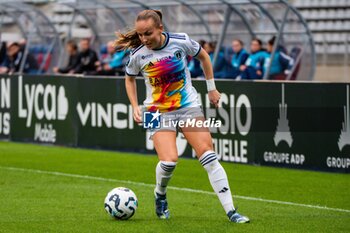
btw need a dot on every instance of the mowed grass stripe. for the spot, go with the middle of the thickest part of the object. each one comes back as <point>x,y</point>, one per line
<point>171,187</point>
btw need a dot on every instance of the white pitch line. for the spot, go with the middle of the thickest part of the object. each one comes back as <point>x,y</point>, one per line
<point>171,187</point>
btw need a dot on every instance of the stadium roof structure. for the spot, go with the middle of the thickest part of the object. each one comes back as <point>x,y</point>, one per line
<point>36,30</point>
<point>211,20</point>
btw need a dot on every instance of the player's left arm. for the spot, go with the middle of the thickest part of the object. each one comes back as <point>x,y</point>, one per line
<point>213,93</point>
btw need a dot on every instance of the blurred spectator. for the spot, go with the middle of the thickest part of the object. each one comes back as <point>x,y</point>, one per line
<point>3,58</point>
<point>14,59</point>
<point>3,53</point>
<point>219,66</point>
<point>240,56</point>
<point>281,64</point>
<point>72,50</point>
<point>254,66</point>
<point>87,59</point>
<point>295,54</point>
<point>194,64</point>
<point>113,62</point>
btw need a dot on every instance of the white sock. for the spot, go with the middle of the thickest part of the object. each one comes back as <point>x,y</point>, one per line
<point>218,179</point>
<point>164,171</point>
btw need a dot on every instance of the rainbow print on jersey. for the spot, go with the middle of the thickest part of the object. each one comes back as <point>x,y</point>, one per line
<point>167,78</point>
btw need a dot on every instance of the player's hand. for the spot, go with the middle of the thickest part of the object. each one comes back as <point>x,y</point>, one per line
<point>137,115</point>
<point>214,97</point>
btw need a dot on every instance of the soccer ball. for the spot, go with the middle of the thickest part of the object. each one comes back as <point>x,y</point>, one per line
<point>121,203</point>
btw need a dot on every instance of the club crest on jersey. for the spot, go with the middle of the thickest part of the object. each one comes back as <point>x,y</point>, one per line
<point>178,54</point>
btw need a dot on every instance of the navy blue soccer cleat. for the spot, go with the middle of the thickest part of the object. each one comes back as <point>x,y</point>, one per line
<point>233,216</point>
<point>161,206</point>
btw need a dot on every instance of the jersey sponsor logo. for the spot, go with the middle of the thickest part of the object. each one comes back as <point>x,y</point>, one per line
<point>163,58</point>
<point>169,78</point>
<point>146,56</point>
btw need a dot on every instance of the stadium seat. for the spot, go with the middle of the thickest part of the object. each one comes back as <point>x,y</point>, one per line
<point>313,14</point>
<point>319,48</point>
<point>347,27</point>
<point>329,21</point>
<point>323,14</point>
<point>318,38</point>
<point>312,25</point>
<point>334,49</point>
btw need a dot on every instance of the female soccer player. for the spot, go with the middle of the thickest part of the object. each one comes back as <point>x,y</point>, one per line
<point>161,58</point>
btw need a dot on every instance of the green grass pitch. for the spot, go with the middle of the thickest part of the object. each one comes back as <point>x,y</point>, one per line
<point>57,189</point>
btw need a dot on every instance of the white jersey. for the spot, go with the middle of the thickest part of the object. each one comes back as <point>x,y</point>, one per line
<point>167,78</point>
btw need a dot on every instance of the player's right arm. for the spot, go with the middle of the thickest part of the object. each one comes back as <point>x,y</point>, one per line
<point>131,90</point>
<point>213,94</point>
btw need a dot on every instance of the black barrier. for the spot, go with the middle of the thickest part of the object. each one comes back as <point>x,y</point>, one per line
<point>297,125</point>
<point>305,127</point>
<point>105,118</point>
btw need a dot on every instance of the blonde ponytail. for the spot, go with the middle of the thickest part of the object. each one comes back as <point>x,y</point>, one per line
<point>130,39</point>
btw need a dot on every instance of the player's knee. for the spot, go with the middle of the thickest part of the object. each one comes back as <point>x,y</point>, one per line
<point>168,157</point>
<point>203,148</point>
<point>174,159</point>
